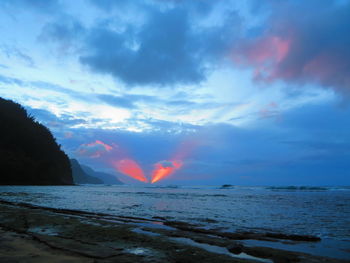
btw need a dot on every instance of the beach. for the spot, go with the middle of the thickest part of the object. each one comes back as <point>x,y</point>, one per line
<point>31,233</point>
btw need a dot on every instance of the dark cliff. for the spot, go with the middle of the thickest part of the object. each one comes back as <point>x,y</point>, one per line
<point>81,177</point>
<point>29,154</point>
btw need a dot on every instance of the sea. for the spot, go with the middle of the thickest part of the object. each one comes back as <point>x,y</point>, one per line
<point>318,211</point>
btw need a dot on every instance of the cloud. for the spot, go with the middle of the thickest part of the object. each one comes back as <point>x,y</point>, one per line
<point>94,149</point>
<point>118,101</point>
<point>166,164</point>
<point>301,42</point>
<point>64,30</point>
<point>54,87</point>
<point>68,135</point>
<point>269,111</point>
<point>111,5</point>
<point>169,46</point>
<point>11,52</point>
<point>167,43</point>
<point>197,7</point>
<point>161,53</point>
<point>298,149</point>
<point>38,84</point>
<point>47,6</point>
<point>55,122</point>
<point>10,80</point>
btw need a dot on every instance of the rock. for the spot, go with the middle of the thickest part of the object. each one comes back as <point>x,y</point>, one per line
<point>294,237</point>
<point>226,186</point>
<point>235,248</point>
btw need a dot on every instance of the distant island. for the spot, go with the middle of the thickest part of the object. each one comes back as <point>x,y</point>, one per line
<point>83,174</point>
<point>29,154</point>
<point>227,186</point>
<point>104,177</point>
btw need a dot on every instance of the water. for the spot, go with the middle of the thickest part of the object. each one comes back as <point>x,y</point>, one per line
<point>321,212</point>
<point>325,213</point>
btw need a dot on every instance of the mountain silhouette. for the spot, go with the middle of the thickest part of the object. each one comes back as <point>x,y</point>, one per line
<point>29,154</point>
<point>105,177</point>
<point>80,176</point>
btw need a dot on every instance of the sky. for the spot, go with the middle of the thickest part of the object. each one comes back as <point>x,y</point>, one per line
<point>187,92</point>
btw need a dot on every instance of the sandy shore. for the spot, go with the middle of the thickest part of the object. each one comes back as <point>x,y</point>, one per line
<point>36,234</point>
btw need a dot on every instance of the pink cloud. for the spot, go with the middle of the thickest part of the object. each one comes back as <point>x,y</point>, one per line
<point>266,49</point>
<point>68,135</point>
<point>301,43</point>
<point>264,54</point>
<point>269,111</point>
<point>94,149</point>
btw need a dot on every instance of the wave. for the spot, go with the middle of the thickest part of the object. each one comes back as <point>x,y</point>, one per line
<point>298,188</point>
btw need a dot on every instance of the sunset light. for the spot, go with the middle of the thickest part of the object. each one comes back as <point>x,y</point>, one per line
<point>164,169</point>
<point>131,168</point>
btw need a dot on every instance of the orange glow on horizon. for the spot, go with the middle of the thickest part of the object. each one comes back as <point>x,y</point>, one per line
<point>131,168</point>
<point>162,171</point>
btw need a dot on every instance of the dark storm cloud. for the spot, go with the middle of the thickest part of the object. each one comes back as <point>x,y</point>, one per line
<point>166,52</point>
<point>301,42</point>
<point>168,48</point>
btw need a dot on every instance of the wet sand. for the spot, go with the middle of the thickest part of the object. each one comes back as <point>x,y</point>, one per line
<point>37,234</point>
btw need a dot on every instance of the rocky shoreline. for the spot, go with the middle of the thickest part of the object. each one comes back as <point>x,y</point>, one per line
<point>30,233</point>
